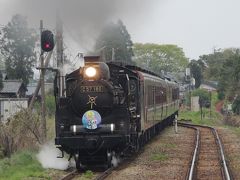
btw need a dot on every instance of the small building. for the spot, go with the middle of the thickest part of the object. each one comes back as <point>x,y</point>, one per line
<point>13,89</point>
<point>32,87</point>
<point>12,98</point>
<point>10,106</point>
<point>207,87</point>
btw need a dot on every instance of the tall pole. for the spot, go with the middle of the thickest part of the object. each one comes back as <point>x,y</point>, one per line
<point>46,62</point>
<point>59,44</point>
<point>210,96</point>
<point>113,54</point>
<point>43,105</point>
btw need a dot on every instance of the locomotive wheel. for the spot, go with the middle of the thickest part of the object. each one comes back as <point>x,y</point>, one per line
<point>141,141</point>
<point>137,144</point>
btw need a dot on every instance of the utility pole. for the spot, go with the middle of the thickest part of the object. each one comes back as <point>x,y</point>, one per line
<point>39,82</point>
<point>59,41</point>
<point>113,54</point>
<point>43,105</point>
<point>59,44</point>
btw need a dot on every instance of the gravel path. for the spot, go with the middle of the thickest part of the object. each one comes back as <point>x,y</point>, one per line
<point>231,143</point>
<point>167,156</point>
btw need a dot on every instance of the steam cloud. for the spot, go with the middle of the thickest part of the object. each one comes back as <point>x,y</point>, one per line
<point>115,160</point>
<point>47,156</point>
<point>83,19</point>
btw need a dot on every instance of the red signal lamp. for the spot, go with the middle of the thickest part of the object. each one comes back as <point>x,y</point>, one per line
<point>47,41</point>
<point>47,46</point>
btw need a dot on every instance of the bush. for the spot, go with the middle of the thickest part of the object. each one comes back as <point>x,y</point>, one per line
<point>232,121</point>
<point>221,95</point>
<point>236,105</point>
<point>204,97</point>
<point>50,105</point>
<point>21,131</point>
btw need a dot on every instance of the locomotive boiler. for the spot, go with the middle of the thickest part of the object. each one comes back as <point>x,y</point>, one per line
<point>109,109</point>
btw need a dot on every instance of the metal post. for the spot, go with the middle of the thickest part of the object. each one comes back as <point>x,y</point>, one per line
<point>43,105</point>
<point>176,127</point>
<point>210,95</point>
<point>190,98</point>
<point>59,44</point>
<point>113,54</point>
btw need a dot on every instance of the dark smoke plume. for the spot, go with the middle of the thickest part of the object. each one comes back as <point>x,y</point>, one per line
<point>83,19</point>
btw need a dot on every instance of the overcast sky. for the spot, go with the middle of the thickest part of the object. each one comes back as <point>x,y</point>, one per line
<point>198,26</point>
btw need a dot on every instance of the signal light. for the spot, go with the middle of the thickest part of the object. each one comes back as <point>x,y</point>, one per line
<point>47,45</point>
<point>47,41</point>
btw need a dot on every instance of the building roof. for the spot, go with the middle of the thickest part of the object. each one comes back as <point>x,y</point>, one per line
<point>31,90</point>
<point>207,87</point>
<point>11,86</point>
<point>32,87</point>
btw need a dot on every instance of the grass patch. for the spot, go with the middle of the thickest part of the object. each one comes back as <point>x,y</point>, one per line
<point>170,145</point>
<point>215,119</point>
<point>88,174</point>
<point>50,127</point>
<point>21,165</point>
<point>159,157</point>
<point>235,130</point>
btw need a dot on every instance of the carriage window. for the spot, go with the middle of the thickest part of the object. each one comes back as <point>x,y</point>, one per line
<point>150,95</point>
<point>160,95</point>
<point>175,93</point>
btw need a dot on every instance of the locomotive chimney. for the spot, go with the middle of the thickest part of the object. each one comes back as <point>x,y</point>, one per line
<point>92,58</point>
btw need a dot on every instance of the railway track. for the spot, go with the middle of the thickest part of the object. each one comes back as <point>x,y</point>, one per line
<point>99,176</point>
<point>70,175</point>
<point>208,161</point>
<point>102,175</point>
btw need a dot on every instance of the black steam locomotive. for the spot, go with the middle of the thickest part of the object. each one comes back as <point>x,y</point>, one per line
<point>111,108</point>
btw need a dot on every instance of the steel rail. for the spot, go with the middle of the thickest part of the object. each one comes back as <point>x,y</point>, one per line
<point>220,146</point>
<point>195,153</point>
<point>105,174</point>
<point>70,175</point>
<point>226,172</point>
<point>193,164</point>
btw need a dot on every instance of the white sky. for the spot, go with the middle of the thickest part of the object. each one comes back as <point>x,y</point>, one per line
<point>197,26</point>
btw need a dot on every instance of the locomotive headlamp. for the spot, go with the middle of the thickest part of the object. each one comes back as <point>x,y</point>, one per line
<point>91,72</point>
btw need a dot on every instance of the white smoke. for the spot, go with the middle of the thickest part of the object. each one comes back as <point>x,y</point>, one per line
<point>47,156</point>
<point>115,160</point>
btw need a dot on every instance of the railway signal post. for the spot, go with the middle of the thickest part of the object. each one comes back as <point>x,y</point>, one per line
<point>43,105</point>
<point>47,45</point>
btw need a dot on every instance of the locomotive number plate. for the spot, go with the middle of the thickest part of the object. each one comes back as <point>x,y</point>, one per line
<point>84,89</point>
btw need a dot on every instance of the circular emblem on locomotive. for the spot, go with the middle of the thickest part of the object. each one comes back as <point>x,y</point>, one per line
<point>91,119</point>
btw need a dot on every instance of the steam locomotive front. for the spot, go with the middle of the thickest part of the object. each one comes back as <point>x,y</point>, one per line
<point>93,115</point>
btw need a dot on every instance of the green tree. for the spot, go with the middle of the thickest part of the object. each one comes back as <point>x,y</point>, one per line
<point>169,58</point>
<point>215,61</point>
<point>204,96</point>
<point>17,46</point>
<point>229,79</point>
<point>196,71</point>
<point>224,66</point>
<point>236,105</point>
<point>115,42</point>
